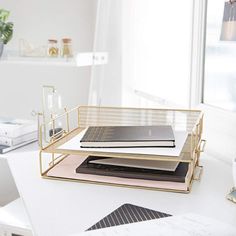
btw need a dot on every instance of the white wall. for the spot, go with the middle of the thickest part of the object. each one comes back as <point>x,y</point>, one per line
<point>21,87</point>
<point>21,84</point>
<point>37,21</point>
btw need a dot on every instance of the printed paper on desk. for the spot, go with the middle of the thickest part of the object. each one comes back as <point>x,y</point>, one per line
<point>180,139</point>
<point>183,225</point>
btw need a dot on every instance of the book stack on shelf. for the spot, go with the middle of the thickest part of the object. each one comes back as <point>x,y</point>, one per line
<point>144,148</point>
<point>15,133</point>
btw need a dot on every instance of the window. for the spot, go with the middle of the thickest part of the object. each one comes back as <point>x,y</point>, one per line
<point>210,91</point>
<point>219,88</point>
<point>159,39</point>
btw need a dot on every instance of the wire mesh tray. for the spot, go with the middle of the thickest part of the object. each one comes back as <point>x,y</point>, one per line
<point>73,122</point>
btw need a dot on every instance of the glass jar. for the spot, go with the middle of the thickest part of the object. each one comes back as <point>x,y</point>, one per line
<point>53,50</point>
<point>66,48</point>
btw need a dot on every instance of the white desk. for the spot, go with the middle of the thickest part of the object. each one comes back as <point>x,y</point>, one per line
<point>58,208</point>
<point>8,190</point>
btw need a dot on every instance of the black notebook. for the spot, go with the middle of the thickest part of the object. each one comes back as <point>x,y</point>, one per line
<point>178,175</point>
<point>128,136</point>
<point>127,214</point>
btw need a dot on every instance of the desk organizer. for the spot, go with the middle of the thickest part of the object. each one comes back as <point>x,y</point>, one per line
<point>59,158</point>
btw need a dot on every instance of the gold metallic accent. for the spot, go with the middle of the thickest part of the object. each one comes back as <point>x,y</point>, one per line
<point>67,120</point>
<point>79,118</point>
<point>197,173</point>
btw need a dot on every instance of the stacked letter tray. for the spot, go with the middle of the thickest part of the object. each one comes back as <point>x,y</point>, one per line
<point>61,153</point>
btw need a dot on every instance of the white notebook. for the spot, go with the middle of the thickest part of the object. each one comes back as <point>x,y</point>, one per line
<point>144,164</point>
<point>182,225</point>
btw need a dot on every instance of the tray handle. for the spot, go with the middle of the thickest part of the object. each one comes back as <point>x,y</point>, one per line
<point>202,145</point>
<point>198,173</point>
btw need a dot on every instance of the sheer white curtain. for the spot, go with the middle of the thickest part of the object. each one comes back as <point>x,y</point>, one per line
<point>105,87</point>
<point>149,45</point>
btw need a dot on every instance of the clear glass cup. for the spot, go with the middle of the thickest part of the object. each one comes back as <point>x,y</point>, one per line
<point>53,50</point>
<point>66,50</point>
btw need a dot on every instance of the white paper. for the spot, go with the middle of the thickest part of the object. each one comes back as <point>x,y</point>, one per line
<point>180,138</point>
<point>146,164</point>
<point>183,225</point>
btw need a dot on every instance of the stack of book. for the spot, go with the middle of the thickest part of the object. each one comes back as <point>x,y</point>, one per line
<point>15,133</point>
<point>170,174</point>
<point>128,136</point>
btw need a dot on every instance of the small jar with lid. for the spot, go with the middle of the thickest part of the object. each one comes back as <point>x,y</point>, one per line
<point>66,48</point>
<point>53,50</point>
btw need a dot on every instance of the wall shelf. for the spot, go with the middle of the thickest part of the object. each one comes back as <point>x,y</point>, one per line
<point>80,60</point>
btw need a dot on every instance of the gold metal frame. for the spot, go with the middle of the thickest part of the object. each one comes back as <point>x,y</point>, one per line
<point>190,121</point>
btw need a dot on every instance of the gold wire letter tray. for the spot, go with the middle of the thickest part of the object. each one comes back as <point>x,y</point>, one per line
<point>61,154</point>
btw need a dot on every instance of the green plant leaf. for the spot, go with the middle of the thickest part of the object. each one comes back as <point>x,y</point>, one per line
<point>6,32</point>
<point>4,14</point>
<point>6,28</point>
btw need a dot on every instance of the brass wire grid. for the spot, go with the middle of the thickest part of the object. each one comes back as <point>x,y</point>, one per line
<point>79,118</point>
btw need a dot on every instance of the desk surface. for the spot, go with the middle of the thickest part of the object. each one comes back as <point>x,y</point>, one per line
<point>59,208</point>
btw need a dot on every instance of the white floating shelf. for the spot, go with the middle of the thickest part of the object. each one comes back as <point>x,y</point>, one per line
<point>80,60</point>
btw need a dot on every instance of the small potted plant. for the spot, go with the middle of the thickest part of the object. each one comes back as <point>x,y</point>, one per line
<point>6,29</point>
